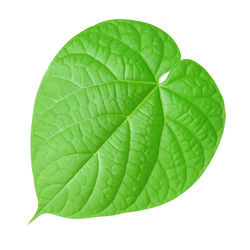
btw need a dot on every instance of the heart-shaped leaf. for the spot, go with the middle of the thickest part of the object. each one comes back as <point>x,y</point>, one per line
<point>107,136</point>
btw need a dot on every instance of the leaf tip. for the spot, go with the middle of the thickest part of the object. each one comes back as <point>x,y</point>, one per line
<point>36,215</point>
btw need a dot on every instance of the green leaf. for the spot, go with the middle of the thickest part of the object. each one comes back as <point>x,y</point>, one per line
<point>107,136</point>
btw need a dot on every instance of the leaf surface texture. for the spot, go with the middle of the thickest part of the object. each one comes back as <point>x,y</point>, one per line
<point>107,137</point>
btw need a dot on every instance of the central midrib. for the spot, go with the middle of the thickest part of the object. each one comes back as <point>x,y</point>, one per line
<point>39,211</point>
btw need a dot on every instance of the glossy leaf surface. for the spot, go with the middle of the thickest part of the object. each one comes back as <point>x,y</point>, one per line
<point>107,137</point>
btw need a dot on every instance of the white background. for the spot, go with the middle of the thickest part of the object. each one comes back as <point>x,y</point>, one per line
<point>214,213</point>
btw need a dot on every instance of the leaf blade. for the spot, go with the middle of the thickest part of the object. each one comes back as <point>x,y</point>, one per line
<point>102,124</point>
